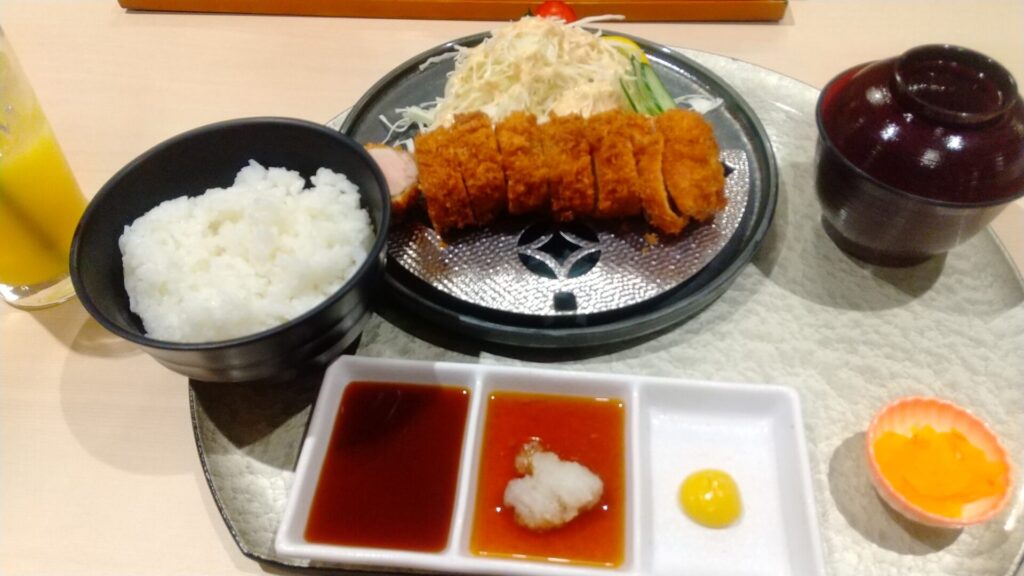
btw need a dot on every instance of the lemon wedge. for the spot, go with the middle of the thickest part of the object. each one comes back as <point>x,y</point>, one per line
<point>627,47</point>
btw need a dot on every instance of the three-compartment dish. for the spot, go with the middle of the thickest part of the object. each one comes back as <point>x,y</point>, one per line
<point>641,435</point>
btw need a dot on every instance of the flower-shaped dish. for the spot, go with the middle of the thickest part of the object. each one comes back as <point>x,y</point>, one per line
<point>907,414</point>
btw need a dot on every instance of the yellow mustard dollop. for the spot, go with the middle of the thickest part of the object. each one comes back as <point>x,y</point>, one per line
<point>939,472</point>
<point>711,498</point>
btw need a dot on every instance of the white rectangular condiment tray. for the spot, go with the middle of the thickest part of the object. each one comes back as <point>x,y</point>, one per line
<point>672,428</point>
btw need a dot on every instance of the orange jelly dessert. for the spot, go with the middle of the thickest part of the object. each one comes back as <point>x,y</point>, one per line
<point>939,472</point>
<point>589,431</point>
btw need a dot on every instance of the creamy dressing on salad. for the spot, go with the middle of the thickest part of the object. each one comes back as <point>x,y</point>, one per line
<point>540,65</point>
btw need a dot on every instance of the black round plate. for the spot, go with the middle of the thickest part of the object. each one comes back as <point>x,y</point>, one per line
<point>736,127</point>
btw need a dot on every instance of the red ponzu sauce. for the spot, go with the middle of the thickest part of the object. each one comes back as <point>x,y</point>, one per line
<point>389,475</point>
<point>586,430</point>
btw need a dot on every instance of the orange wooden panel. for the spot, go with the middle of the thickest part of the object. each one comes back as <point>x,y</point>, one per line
<point>634,10</point>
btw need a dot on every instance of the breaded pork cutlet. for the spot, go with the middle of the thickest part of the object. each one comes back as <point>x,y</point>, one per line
<point>615,176</point>
<point>441,181</point>
<point>570,172</point>
<point>480,165</point>
<point>614,165</point>
<point>522,157</point>
<point>400,172</point>
<point>648,147</point>
<point>693,172</point>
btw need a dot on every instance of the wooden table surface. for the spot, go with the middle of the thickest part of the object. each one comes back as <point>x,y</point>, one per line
<point>98,468</point>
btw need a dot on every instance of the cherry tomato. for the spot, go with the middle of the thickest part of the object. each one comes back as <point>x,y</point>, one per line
<point>556,9</point>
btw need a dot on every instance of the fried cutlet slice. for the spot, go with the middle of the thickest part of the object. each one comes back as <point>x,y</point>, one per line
<point>570,171</point>
<point>400,172</point>
<point>690,164</point>
<point>615,172</point>
<point>648,146</point>
<point>522,158</point>
<point>441,182</point>
<point>480,165</point>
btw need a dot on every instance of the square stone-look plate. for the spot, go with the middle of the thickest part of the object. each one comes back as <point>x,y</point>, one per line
<point>672,428</point>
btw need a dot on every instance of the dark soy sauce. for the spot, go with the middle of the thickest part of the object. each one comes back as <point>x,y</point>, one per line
<point>391,468</point>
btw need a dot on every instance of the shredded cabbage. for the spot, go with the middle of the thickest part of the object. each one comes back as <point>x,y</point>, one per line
<point>539,65</point>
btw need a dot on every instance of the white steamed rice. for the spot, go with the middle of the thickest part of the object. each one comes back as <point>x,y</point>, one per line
<point>238,260</point>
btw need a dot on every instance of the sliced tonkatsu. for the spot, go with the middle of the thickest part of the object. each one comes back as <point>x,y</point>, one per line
<point>522,158</point>
<point>616,181</point>
<point>693,172</point>
<point>441,181</point>
<point>570,169</point>
<point>480,166</point>
<point>612,165</point>
<point>648,148</point>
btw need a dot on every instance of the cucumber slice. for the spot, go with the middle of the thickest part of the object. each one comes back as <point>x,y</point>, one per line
<point>650,102</point>
<point>628,91</point>
<point>634,91</point>
<point>645,98</point>
<point>645,92</point>
<point>659,95</point>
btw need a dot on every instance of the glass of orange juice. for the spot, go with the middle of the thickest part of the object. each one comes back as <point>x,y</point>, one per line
<point>40,201</point>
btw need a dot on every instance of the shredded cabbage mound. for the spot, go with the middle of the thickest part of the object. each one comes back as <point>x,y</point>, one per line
<point>540,65</point>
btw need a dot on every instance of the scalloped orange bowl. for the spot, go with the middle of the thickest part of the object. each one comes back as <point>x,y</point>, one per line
<point>902,416</point>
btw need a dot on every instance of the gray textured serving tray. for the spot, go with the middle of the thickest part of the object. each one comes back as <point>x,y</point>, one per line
<point>846,336</point>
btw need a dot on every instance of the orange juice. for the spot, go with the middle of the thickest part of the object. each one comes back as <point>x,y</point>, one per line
<point>40,204</point>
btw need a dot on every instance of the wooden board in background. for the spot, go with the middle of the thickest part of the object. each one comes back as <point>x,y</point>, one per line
<point>633,10</point>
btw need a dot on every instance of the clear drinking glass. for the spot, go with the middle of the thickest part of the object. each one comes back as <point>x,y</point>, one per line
<point>40,201</point>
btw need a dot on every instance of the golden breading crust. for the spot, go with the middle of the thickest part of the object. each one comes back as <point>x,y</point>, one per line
<point>480,165</point>
<point>570,176</point>
<point>441,182</point>
<point>522,157</point>
<point>615,176</point>
<point>648,147</point>
<point>693,173</point>
<point>613,165</point>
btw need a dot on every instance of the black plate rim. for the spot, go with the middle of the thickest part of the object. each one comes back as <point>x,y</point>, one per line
<point>681,304</point>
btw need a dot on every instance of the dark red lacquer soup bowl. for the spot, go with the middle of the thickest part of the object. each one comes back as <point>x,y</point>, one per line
<point>917,153</point>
